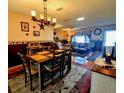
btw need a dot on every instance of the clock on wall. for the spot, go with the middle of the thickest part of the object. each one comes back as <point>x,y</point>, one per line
<point>97,31</point>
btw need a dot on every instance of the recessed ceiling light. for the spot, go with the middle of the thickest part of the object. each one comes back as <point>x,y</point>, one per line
<point>80,18</point>
<point>65,29</point>
<point>76,28</point>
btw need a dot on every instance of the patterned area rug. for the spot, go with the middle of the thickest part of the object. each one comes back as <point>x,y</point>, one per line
<point>17,83</point>
<point>83,85</point>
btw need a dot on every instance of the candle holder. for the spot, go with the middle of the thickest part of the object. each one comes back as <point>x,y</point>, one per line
<point>108,59</point>
<point>52,51</point>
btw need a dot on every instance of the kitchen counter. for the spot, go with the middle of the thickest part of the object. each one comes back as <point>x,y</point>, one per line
<point>103,79</point>
<point>99,67</point>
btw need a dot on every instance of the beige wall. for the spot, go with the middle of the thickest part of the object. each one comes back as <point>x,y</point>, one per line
<point>65,35</point>
<point>62,35</point>
<point>70,34</point>
<point>15,33</point>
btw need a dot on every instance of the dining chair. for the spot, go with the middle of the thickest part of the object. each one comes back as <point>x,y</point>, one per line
<point>9,89</point>
<point>57,65</point>
<point>30,71</point>
<point>54,67</point>
<point>66,63</point>
<point>45,48</point>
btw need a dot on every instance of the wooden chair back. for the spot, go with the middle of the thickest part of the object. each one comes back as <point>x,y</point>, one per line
<point>26,64</point>
<point>26,61</point>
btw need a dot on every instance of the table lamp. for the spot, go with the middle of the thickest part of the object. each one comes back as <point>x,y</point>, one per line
<point>108,58</point>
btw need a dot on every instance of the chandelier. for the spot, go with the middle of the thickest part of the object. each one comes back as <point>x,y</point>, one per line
<point>44,20</point>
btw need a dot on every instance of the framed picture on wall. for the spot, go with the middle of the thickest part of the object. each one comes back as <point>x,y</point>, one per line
<point>36,33</point>
<point>25,26</point>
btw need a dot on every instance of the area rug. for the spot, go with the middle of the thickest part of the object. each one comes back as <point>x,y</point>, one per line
<point>66,85</point>
<point>83,85</point>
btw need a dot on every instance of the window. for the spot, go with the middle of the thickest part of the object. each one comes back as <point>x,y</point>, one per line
<point>81,39</point>
<point>110,38</point>
<point>87,40</point>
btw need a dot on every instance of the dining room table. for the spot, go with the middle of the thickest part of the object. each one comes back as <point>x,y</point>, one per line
<point>42,58</point>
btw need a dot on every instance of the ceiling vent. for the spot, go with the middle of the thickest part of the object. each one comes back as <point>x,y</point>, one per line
<point>66,20</point>
<point>59,9</point>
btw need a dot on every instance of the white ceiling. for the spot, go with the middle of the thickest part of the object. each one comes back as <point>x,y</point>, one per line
<point>96,12</point>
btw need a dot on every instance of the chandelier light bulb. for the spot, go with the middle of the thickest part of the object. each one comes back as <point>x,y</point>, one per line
<point>33,13</point>
<point>49,19</point>
<point>54,20</point>
<point>41,16</point>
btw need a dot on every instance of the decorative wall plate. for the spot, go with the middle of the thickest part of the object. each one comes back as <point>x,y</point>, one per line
<point>97,31</point>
